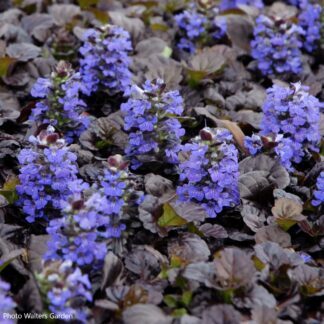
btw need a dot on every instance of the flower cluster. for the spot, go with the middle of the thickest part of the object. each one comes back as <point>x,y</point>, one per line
<point>105,61</point>
<point>209,174</point>
<point>7,305</point>
<point>277,46</point>
<point>195,25</point>
<point>192,26</point>
<point>292,116</point>
<point>61,105</point>
<point>92,218</point>
<point>48,175</point>
<point>318,194</point>
<point>231,4</point>
<point>66,289</point>
<point>150,118</point>
<point>77,236</point>
<point>253,144</point>
<point>310,20</point>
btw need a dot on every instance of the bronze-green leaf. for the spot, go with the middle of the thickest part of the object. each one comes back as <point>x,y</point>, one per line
<point>170,218</point>
<point>9,190</point>
<point>287,213</point>
<point>5,63</point>
<point>85,4</point>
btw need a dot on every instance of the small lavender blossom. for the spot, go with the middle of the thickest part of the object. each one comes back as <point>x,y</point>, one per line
<point>66,289</point>
<point>48,174</point>
<point>192,25</point>
<point>305,256</point>
<point>277,46</point>
<point>209,175</point>
<point>231,4</point>
<point>61,105</point>
<point>310,20</point>
<point>253,144</point>
<point>292,115</point>
<point>7,305</point>
<point>318,194</point>
<point>150,118</point>
<point>105,61</point>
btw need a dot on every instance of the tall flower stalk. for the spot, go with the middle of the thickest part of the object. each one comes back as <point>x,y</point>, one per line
<point>209,171</point>
<point>151,120</point>
<point>61,105</point>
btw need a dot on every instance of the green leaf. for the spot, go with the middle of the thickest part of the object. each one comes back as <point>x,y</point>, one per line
<point>167,52</point>
<point>9,190</point>
<point>164,272</point>
<point>285,224</point>
<point>159,27</point>
<point>186,297</point>
<point>170,218</point>
<point>176,262</point>
<point>179,312</point>
<point>227,295</point>
<point>147,4</point>
<point>5,63</point>
<point>170,301</point>
<point>258,263</point>
<point>193,229</point>
<point>85,4</point>
<point>103,144</point>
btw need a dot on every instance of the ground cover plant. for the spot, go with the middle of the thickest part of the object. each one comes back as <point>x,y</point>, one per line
<point>162,161</point>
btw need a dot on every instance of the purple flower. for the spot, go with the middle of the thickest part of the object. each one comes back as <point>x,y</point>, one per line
<point>309,20</point>
<point>47,173</point>
<point>67,290</point>
<point>253,144</point>
<point>292,116</point>
<point>41,88</point>
<point>150,118</point>
<point>61,106</point>
<point>80,235</point>
<point>7,305</point>
<point>209,175</point>
<point>318,194</point>
<point>231,4</point>
<point>195,27</point>
<point>105,61</point>
<point>277,46</point>
<point>219,27</point>
<point>191,23</point>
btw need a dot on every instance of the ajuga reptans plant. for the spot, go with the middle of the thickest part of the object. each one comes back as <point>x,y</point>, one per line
<point>291,115</point>
<point>151,120</point>
<point>61,105</point>
<point>48,174</point>
<point>105,62</point>
<point>277,47</point>
<point>66,290</point>
<point>195,26</point>
<point>209,172</point>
